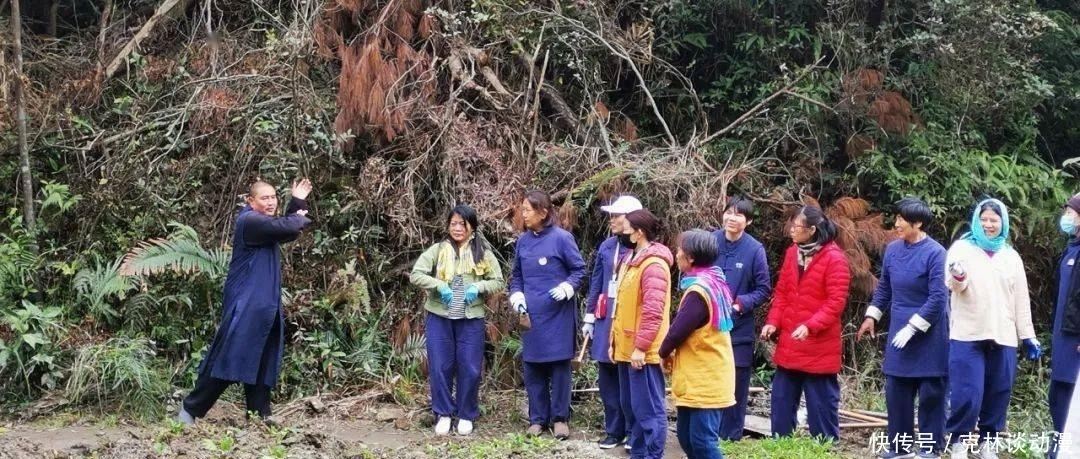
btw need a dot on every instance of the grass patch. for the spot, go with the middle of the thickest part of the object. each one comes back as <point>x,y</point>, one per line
<point>514,444</point>
<point>797,447</point>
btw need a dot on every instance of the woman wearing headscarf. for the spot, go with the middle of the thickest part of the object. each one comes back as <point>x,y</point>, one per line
<point>639,323</point>
<point>458,273</point>
<point>1065,360</point>
<point>991,314</point>
<point>808,301</point>
<point>697,348</point>
<point>912,291</point>
<point>596,324</point>
<point>747,272</point>
<point>547,270</point>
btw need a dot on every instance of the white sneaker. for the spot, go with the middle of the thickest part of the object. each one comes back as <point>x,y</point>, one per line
<point>464,427</point>
<point>988,451</point>
<point>959,450</point>
<point>442,427</point>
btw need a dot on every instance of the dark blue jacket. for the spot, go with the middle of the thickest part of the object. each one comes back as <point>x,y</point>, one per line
<point>543,260</point>
<point>252,302</point>
<point>602,272</point>
<point>1065,358</point>
<point>747,271</point>
<point>913,282</point>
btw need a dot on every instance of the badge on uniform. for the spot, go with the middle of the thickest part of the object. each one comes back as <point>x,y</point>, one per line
<point>542,261</point>
<point>739,265</point>
<point>612,288</point>
<point>1071,261</point>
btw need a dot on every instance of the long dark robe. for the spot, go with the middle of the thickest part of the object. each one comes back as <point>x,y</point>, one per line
<point>252,303</point>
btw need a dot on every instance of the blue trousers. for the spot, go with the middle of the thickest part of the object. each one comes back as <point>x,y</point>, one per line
<point>733,417</point>
<point>455,351</point>
<point>547,385</point>
<point>981,375</point>
<point>608,381</point>
<point>900,395</point>
<point>822,403</point>
<point>1059,397</point>
<point>698,430</point>
<point>642,395</point>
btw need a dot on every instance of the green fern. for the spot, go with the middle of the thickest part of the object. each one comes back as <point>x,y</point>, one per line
<point>120,370</point>
<point>97,285</point>
<point>180,252</point>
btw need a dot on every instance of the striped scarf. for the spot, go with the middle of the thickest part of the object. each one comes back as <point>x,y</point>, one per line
<point>712,281</point>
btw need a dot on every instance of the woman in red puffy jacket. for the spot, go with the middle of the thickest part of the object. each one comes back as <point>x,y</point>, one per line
<point>805,316</point>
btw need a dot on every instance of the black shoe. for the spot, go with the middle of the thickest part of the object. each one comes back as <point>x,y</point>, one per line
<point>609,442</point>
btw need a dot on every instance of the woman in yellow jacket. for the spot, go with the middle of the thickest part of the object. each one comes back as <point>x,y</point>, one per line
<point>639,322</point>
<point>697,349</point>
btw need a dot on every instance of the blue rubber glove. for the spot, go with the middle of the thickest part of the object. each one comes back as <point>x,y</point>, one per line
<point>1034,349</point>
<point>471,293</point>
<point>446,294</point>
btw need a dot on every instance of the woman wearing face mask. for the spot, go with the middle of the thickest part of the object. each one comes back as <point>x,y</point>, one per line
<point>697,349</point>
<point>912,291</point>
<point>639,324</point>
<point>458,273</point>
<point>547,269</point>
<point>809,299</point>
<point>990,310</point>
<point>596,325</point>
<point>747,271</point>
<point>1065,360</point>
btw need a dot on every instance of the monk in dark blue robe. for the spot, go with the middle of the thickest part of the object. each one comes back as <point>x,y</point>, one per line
<point>249,343</point>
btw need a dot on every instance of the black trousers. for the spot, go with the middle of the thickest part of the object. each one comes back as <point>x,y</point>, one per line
<point>208,389</point>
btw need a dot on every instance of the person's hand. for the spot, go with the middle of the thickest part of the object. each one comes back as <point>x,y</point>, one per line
<point>800,333</point>
<point>903,336</point>
<point>517,301</point>
<point>561,292</point>
<point>1034,349</point>
<point>956,269</point>
<point>587,325</point>
<point>867,327</point>
<point>637,359</point>
<point>446,294</point>
<point>301,189</point>
<point>668,365</point>
<point>767,332</point>
<point>471,293</point>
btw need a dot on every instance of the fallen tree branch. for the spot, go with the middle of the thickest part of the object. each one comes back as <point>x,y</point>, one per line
<point>761,105</point>
<point>167,10</point>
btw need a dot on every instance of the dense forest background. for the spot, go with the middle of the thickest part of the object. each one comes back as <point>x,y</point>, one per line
<point>146,119</point>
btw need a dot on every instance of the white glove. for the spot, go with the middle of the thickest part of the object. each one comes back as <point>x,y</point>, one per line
<point>561,292</point>
<point>517,301</point>
<point>956,269</point>
<point>587,326</point>
<point>903,336</point>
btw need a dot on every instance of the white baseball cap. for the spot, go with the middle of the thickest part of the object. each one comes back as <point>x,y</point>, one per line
<point>623,205</point>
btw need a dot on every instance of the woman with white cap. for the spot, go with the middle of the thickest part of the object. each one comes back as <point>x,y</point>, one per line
<point>596,325</point>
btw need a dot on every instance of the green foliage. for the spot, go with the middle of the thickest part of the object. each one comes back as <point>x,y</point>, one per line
<point>509,445</point>
<point>28,359</point>
<point>179,252</point>
<point>97,285</point>
<point>119,372</point>
<point>795,447</point>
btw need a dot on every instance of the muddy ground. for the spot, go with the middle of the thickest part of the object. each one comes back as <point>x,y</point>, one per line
<point>363,426</point>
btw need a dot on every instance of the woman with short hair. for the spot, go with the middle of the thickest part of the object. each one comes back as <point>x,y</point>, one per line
<point>697,349</point>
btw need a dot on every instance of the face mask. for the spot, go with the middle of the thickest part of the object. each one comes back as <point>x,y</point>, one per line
<point>624,240</point>
<point>1067,225</point>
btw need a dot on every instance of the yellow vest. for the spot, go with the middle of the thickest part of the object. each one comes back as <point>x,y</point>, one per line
<point>703,366</point>
<point>627,319</point>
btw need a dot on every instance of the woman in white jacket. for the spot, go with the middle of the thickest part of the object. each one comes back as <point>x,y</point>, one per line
<point>991,314</point>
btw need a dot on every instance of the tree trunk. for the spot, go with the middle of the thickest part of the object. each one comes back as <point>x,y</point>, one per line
<point>20,117</point>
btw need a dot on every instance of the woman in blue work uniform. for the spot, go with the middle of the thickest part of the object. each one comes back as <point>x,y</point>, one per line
<point>546,271</point>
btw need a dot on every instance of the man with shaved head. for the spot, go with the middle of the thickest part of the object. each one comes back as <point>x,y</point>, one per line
<point>249,343</point>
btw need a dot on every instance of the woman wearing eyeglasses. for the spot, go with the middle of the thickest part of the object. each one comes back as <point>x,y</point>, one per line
<point>808,301</point>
